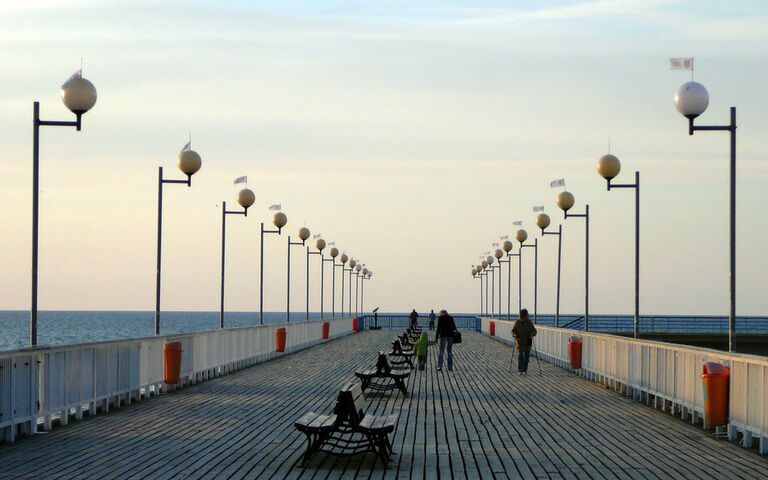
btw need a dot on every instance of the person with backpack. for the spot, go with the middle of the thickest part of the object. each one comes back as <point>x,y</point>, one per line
<point>414,318</point>
<point>446,329</point>
<point>523,330</point>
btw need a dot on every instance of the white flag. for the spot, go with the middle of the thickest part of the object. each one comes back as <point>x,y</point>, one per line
<point>186,147</point>
<point>494,244</point>
<point>519,223</point>
<point>681,63</point>
<point>505,237</point>
<point>330,244</point>
<point>557,183</point>
<point>487,253</point>
<point>538,209</point>
<point>275,207</point>
<point>243,179</point>
<point>316,236</point>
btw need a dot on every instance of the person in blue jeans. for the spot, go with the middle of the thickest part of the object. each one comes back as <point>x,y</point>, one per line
<point>523,330</point>
<point>445,329</point>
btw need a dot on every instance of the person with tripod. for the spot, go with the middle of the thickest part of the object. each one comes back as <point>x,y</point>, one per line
<point>523,330</point>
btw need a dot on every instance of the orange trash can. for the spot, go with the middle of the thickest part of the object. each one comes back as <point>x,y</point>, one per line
<point>574,352</point>
<point>716,378</point>
<point>326,330</point>
<point>492,328</point>
<point>355,324</point>
<point>172,367</point>
<point>280,339</point>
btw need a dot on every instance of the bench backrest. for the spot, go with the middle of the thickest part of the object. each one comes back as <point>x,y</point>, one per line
<point>382,364</point>
<point>350,405</point>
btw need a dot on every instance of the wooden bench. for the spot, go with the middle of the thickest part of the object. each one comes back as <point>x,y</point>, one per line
<point>383,377</point>
<point>400,357</point>
<point>348,431</point>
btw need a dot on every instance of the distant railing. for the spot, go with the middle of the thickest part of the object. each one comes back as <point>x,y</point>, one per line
<point>41,384</point>
<point>623,324</point>
<point>398,322</point>
<point>665,374</point>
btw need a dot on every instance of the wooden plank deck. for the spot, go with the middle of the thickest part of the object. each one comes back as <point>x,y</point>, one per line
<point>478,421</point>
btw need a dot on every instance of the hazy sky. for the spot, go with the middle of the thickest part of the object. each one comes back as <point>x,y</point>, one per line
<point>410,133</point>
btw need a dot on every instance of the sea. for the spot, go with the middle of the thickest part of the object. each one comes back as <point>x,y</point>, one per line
<point>68,327</point>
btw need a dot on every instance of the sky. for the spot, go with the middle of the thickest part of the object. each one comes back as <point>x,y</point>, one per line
<point>411,134</point>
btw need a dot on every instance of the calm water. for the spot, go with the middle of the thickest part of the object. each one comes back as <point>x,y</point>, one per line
<point>66,327</point>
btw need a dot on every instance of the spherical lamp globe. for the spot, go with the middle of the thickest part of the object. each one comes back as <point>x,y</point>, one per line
<point>608,166</point>
<point>565,201</point>
<point>691,99</point>
<point>521,236</point>
<point>246,198</point>
<point>489,259</point>
<point>344,258</point>
<point>279,220</point>
<point>498,253</point>
<point>304,233</point>
<point>358,267</point>
<point>484,264</point>
<point>507,246</point>
<point>320,244</point>
<point>542,220</point>
<point>189,162</point>
<point>479,268</point>
<point>365,271</point>
<point>474,272</point>
<point>78,94</point>
<point>334,252</point>
<point>352,263</point>
<point>370,274</point>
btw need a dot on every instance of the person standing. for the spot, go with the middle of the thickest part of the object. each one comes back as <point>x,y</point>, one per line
<point>523,330</point>
<point>414,318</point>
<point>445,330</point>
<point>421,347</point>
<point>432,318</point>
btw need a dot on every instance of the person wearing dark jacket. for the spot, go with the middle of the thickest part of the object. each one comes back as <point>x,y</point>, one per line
<point>432,318</point>
<point>445,329</point>
<point>414,318</point>
<point>523,330</point>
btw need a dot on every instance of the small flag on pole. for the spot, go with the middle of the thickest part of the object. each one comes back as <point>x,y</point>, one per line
<point>495,244</point>
<point>681,63</point>
<point>275,207</point>
<point>487,253</point>
<point>538,209</point>
<point>505,237</point>
<point>316,236</point>
<point>331,244</point>
<point>519,223</point>
<point>186,147</point>
<point>557,183</point>
<point>243,179</point>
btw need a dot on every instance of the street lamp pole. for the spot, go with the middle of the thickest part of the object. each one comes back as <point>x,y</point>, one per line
<point>565,201</point>
<point>344,258</point>
<point>334,254</point>
<point>245,198</point>
<point>79,96</point>
<point>358,267</point>
<point>519,278</point>
<point>507,247</point>
<point>522,236</point>
<point>189,163</point>
<point>279,220</point>
<point>352,263</point>
<point>609,167</point>
<point>691,100</point>
<point>542,221</point>
<point>303,235</point>
<point>320,245</point>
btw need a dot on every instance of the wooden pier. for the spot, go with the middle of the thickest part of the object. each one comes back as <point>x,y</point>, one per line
<point>478,421</point>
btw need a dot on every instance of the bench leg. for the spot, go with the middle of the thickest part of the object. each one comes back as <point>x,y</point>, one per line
<point>401,385</point>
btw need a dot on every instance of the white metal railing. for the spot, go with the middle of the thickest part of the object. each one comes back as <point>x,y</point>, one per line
<point>665,374</point>
<point>46,383</point>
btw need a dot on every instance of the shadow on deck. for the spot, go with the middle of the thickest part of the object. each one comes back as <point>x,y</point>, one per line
<point>479,421</point>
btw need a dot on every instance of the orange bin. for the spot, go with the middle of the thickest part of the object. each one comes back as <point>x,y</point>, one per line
<point>172,367</point>
<point>716,378</point>
<point>492,328</point>
<point>574,352</point>
<point>355,325</point>
<point>280,339</point>
<point>326,330</point>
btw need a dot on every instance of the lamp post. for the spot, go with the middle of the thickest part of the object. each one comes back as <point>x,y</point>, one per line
<point>691,100</point>
<point>344,258</point>
<point>245,198</point>
<point>320,246</point>
<point>484,263</point>
<point>565,201</point>
<point>358,268</point>
<point>543,221</point>
<point>609,167</point>
<point>519,275</point>
<point>507,246</point>
<point>352,264</point>
<point>189,163</point>
<point>521,237</point>
<point>279,220</point>
<point>479,272</point>
<point>499,254</point>
<point>79,96</point>
<point>491,267</point>
<point>334,253</point>
<point>365,276</point>
<point>303,235</point>
<point>474,276</point>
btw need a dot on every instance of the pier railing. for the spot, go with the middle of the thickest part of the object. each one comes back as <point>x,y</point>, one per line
<point>401,321</point>
<point>47,384</point>
<point>664,374</point>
